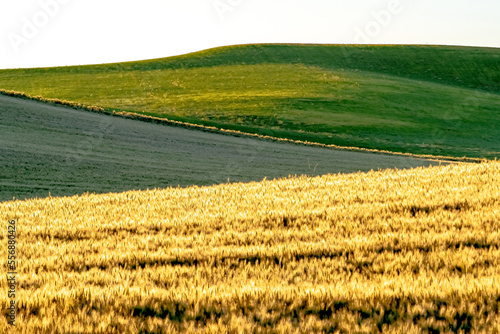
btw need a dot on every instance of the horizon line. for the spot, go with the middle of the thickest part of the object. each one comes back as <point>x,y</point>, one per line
<point>252,44</point>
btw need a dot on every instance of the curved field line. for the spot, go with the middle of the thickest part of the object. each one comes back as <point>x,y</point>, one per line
<point>54,150</point>
<point>212,129</point>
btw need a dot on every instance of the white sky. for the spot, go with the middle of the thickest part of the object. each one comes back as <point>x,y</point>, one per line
<point>36,33</point>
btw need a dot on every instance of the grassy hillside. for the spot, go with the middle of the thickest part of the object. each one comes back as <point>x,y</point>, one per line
<point>415,99</point>
<point>390,251</point>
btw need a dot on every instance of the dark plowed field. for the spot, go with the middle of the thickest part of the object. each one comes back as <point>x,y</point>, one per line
<point>45,148</point>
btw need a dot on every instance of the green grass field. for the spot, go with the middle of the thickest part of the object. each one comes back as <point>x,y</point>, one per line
<point>412,99</point>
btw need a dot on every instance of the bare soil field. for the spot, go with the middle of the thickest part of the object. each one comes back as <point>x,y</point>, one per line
<point>58,150</point>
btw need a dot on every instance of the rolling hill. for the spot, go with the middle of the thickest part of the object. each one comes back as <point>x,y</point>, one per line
<point>414,99</point>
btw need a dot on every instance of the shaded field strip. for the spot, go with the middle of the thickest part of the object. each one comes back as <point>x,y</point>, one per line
<point>352,256</point>
<point>165,121</point>
<point>389,311</point>
<point>447,313</point>
<point>414,210</point>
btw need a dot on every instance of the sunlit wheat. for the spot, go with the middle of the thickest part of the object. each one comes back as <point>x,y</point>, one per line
<point>389,251</point>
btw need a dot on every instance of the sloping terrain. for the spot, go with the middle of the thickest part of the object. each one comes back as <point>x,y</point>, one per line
<point>412,99</point>
<point>388,251</point>
<point>52,149</point>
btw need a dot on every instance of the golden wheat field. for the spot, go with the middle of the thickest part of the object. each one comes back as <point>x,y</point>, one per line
<point>386,251</point>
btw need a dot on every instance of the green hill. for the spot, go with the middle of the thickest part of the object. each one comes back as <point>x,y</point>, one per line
<point>416,99</point>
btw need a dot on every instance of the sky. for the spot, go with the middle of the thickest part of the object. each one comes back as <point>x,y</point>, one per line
<point>42,33</point>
